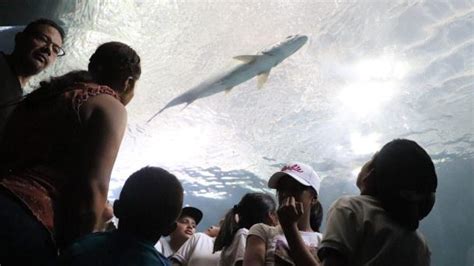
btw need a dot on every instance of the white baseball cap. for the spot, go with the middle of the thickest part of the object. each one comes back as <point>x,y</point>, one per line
<point>301,172</point>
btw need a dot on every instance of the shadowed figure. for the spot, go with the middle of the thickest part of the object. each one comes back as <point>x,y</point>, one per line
<point>58,152</point>
<point>36,48</point>
<point>147,208</point>
<point>379,227</point>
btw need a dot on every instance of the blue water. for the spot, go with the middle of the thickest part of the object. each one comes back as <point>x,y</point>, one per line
<point>370,72</point>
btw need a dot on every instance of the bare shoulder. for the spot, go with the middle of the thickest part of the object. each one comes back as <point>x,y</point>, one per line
<point>106,106</point>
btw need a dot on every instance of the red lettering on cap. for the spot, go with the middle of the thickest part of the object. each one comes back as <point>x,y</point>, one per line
<point>293,167</point>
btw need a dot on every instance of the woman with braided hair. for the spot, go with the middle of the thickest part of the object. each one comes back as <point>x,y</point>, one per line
<point>57,155</point>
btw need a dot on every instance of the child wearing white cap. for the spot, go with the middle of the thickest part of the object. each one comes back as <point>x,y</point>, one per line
<point>293,242</point>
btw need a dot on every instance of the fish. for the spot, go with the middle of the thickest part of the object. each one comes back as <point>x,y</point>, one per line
<point>259,65</point>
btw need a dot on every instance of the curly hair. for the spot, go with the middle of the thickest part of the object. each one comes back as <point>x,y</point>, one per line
<point>55,86</point>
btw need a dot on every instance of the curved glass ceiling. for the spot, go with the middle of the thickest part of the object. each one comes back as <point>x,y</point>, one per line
<point>370,72</point>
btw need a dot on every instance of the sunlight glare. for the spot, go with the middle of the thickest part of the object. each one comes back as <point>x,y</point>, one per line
<point>374,83</point>
<point>174,147</point>
<point>365,144</point>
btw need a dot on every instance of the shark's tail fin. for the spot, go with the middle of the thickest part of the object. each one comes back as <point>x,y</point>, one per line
<point>157,113</point>
<point>170,104</point>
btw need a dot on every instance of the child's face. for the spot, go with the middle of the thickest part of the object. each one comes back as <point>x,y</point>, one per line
<point>272,219</point>
<point>185,228</point>
<point>288,187</point>
<point>212,231</point>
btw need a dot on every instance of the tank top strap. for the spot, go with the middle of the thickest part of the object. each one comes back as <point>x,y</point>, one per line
<point>81,92</point>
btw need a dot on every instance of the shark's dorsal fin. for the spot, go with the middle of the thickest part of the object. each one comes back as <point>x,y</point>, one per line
<point>246,58</point>
<point>262,78</point>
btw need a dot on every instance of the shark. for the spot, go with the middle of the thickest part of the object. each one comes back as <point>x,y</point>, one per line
<point>258,65</point>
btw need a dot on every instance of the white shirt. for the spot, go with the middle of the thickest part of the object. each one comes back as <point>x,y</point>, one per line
<point>277,249</point>
<point>197,251</point>
<point>236,251</point>
<point>362,230</point>
<point>163,246</point>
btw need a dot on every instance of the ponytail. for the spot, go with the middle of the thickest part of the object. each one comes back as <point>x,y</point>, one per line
<point>316,216</point>
<point>228,228</point>
<point>253,208</point>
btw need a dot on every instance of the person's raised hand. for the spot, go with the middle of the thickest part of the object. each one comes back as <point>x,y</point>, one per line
<point>290,211</point>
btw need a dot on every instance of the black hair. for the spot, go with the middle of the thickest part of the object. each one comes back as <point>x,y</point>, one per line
<point>51,87</point>
<point>56,85</point>
<point>32,26</point>
<point>114,61</point>
<point>316,216</point>
<point>403,165</point>
<point>253,208</point>
<point>66,80</point>
<point>150,188</point>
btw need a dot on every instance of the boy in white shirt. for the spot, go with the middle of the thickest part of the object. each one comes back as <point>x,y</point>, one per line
<point>185,229</point>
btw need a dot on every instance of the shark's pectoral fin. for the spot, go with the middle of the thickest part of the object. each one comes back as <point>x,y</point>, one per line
<point>227,90</point>
<point>186,105</point>
<point>262,78</point>
<point>246,58</point>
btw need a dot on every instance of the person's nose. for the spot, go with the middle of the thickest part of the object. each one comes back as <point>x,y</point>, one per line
<point>48,48</point>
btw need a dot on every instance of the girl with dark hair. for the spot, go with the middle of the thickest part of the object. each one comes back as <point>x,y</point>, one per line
<point>57,155</point>
<point>252,209</point>
<point>316,217</point>
<point>379,227</point>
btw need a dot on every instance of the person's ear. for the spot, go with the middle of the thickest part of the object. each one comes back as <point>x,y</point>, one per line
<point>129,84</point>
<point>369,182</point>
<point>127,90</point>
<point>236,218</point>
<point>272,218</point>
<point>368,177</point>
<point>370,173</point>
